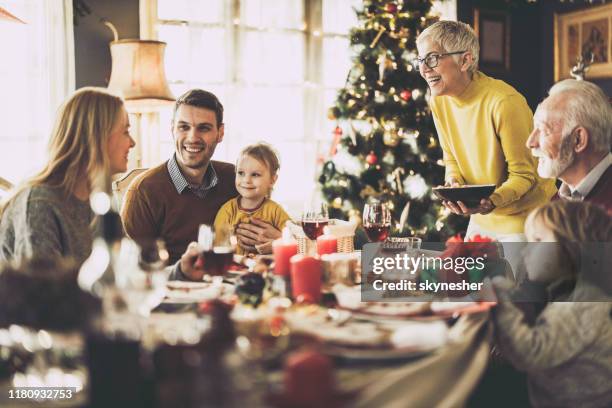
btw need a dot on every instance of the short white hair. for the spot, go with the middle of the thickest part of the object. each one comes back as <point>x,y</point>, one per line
<point>586,105</point>
<point>453,36</point>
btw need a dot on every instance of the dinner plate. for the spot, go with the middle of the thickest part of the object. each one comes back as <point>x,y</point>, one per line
<point>470,195</point>
<point>192,292</point>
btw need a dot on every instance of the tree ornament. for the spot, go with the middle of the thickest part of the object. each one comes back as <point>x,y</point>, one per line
<point>337,136</point>
<point>331,115</point>
<point>406,94</point>
<point>391,138</point>
<point>337,203</point>
<point>397,176</point>
<point>381,30</point>
<point>391,7</point>
<point>371,158</point>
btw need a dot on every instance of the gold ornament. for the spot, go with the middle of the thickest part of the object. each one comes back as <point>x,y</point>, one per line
<point>330,114</point>
<point>337,203</point>
<point>377,38</point>
<point>391,138</point>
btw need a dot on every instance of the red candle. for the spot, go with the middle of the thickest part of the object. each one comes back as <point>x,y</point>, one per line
<point>308,378</point>
<point>327,244</point>
<point>306,277</point>
<point>283,249</point>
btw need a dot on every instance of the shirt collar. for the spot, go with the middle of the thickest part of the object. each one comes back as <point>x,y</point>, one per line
<point>587,183</point>
<point>180,183</point>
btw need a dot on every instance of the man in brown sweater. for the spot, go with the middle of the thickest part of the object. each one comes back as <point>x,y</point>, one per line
<point>171,200</point>
<point>571,137</point>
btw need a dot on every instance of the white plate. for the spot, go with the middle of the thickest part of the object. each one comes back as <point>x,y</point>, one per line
<point>193,292</point>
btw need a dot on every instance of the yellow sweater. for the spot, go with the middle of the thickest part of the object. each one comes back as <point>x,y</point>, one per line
<point>232,214</point>
<point>482,134</point>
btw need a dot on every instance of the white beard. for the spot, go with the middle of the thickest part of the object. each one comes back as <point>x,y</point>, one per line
<point>553,168</point>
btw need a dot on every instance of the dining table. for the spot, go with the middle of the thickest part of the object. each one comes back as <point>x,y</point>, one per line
<point>444,376</point>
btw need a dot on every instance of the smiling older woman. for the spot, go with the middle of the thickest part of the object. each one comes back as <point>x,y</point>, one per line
<point>482,124</point>
<point>49,214</point>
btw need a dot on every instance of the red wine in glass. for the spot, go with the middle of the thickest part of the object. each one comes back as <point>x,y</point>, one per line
<point>217,261</point>
<point>315,217</point>
<point>314,229</point>
<point>377,233</point>
<point>376,221</point>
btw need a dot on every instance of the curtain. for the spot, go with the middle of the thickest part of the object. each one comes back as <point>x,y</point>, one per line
<point>36,75</point>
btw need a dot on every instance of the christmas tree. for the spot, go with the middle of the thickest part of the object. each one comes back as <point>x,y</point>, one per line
<point>385,144</point>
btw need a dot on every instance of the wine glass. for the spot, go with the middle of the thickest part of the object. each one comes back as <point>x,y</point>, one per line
<point>376,221</point>
<point>315,217</point>
<point>141,276</point>
<point>216,250</point>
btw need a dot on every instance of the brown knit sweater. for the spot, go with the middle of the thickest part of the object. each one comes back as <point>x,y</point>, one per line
<point>153,209</point>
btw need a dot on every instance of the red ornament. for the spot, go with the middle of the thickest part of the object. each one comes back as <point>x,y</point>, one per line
<point>371,158</point>
<point>406,94</point>
<point>338,131</point>
<point>391,7</point>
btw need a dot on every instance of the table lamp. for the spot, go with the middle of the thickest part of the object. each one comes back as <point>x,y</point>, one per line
<point>138,75</point>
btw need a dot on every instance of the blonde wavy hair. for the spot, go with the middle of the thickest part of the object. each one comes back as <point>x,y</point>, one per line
<point>574,224</point>
<point>78,146</point>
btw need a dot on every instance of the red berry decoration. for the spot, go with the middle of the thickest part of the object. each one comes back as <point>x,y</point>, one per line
<point>371,158</point>
<point>391,7</point>
<point>338,131</point>
<point>406,94</point>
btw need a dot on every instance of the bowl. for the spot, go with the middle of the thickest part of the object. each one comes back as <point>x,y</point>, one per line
<point>470,195</point>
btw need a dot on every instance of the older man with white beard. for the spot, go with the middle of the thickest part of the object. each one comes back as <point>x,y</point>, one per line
<point>571,138</point>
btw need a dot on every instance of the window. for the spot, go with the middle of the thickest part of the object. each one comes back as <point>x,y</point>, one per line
<point>276,65</point>
<point>36,75</point>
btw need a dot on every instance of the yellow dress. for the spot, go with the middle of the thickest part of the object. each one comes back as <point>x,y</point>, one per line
<point>232,214</point>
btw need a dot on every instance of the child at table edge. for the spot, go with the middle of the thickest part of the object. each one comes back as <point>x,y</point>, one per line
<point>567,353</point>
<point>256,172</point>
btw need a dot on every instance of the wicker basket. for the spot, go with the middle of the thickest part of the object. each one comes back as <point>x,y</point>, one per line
<point>306,245</point>
<point>343,231</point>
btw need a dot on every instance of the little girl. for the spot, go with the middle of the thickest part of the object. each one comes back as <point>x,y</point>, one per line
<point>567,353</point>
<point>256,172</point>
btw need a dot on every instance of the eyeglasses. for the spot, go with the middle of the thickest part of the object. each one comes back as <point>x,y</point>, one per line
<point>432,60</point>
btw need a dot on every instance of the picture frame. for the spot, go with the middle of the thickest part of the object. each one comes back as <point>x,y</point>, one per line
<point>492,28</point>
<point>580,31</point>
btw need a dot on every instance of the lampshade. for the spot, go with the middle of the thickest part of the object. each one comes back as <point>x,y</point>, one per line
<point>138,74</point>
<point>5,15</point>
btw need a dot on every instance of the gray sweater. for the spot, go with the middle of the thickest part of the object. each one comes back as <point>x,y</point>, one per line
<point>567,354</point>
<point>45,221</point>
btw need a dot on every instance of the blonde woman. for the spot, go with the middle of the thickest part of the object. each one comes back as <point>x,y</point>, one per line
<point>49,214</point>
<point>482,124</point>
<point>567,353</point>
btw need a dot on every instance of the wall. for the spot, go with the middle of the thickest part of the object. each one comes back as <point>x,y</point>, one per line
<point>92,38</point>
<point>532,43</point>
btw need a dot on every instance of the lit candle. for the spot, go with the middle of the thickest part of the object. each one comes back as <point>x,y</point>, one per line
<point>283,249</point>
<point>306,277</point>
<point>327,244</point>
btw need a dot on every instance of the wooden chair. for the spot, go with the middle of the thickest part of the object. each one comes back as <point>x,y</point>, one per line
<point>121,185</point>
<point>5,186</point>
